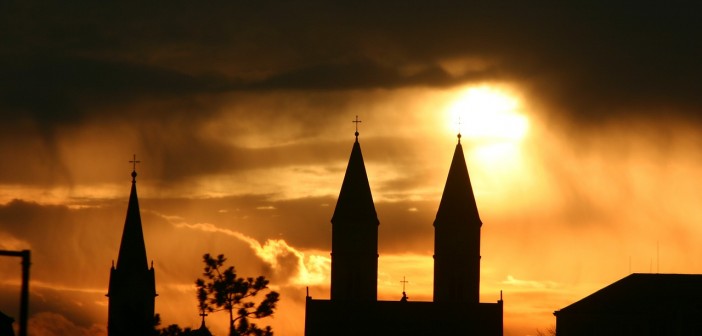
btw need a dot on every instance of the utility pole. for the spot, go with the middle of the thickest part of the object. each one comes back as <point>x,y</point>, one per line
<point>24,295</point>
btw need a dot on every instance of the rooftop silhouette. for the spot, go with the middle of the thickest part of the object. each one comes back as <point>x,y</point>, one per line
<point>638,304</point>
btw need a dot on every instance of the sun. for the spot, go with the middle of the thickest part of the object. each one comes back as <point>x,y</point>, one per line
<point>493,126</point>
<point>487,113</point>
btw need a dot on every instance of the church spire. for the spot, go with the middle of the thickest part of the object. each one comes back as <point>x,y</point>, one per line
<point>132,288</point>
<point>355,234</point>
<point>457,237</point>
<point>132,250</point>
<point>355,199</point>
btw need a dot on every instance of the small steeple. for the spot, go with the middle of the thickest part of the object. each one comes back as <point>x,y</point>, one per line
<point>203,330</point>
<point>404,294</point>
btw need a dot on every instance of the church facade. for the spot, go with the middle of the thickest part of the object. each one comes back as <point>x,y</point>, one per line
<point>353,308</point>
<point>132,288</point>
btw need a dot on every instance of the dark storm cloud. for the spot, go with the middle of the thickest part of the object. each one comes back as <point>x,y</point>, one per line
<point>593,58</point>
<point>364,74</point>
<point>190,156</point>
<point>60,90</point>
<point>167,71</point>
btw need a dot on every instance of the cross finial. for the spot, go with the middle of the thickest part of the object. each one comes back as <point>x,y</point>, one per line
<point>134,162</point>
<point>203,314</point>
<point>356,121</point>
<point>404,294</point>
<point>459,130</point>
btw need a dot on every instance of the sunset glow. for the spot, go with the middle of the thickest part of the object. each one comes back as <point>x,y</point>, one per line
<point>585,161</point>
<point>487,113</point>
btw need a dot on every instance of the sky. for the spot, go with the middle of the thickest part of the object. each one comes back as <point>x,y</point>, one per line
<point>580,122</point>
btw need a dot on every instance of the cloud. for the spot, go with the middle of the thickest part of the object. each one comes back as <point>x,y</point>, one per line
<point>588,60</point>
<point>55,90</point>
<point>12,243</point>
<point>82,307</point>
<point>287,263</point>
<point>232,106</point>
<point>52,324</point>
<point>50,231</point>
<point>530,284</point>
<point>365,74</point>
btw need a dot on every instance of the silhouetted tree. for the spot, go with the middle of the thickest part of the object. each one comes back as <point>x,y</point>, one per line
<point>157,322</point>
<point>175,330</point>
<point>222,290</point>
<point>171,330</point>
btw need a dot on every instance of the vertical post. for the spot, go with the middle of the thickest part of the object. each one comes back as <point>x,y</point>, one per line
<point>24,299</point>
<point>24,295</point>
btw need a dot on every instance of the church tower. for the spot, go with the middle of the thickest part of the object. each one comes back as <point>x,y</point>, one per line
<point>353,305</point>
<point>457,237</point>
<point>132,289</point>
<point>354,255</point>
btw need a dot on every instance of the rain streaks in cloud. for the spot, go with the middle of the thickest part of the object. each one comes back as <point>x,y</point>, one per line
<point>237,105</point>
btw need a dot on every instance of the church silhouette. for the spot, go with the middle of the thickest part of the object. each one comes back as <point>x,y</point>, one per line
<point>132,288</point>
<point>353,308</point>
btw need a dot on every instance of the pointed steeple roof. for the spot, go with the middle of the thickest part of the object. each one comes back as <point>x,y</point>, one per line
<point>132,249</point>
<point>203,330</point>
<point>355,201</point>
<point>458,201</point>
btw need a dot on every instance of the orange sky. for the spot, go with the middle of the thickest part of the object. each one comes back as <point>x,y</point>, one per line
<point>584,158</point>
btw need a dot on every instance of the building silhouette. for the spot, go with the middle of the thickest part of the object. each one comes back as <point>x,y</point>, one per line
<point>132,288</point>
<point>203,330</point>
<point>6,322</point>
<point>353,308</point>
<point>638,304</point>
<point>354,256</point>
<point>457,237</point>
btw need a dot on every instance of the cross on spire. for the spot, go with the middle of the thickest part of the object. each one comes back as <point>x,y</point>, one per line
<point>134,162</point>
<point>404,294</point>
<point>459,129</point>
<point>203,314</point>
<point>404,282</point>
<point>356,122</point>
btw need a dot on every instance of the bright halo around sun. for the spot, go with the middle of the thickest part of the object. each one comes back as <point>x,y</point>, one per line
<point>492,128</point>
<point>487,113</point>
